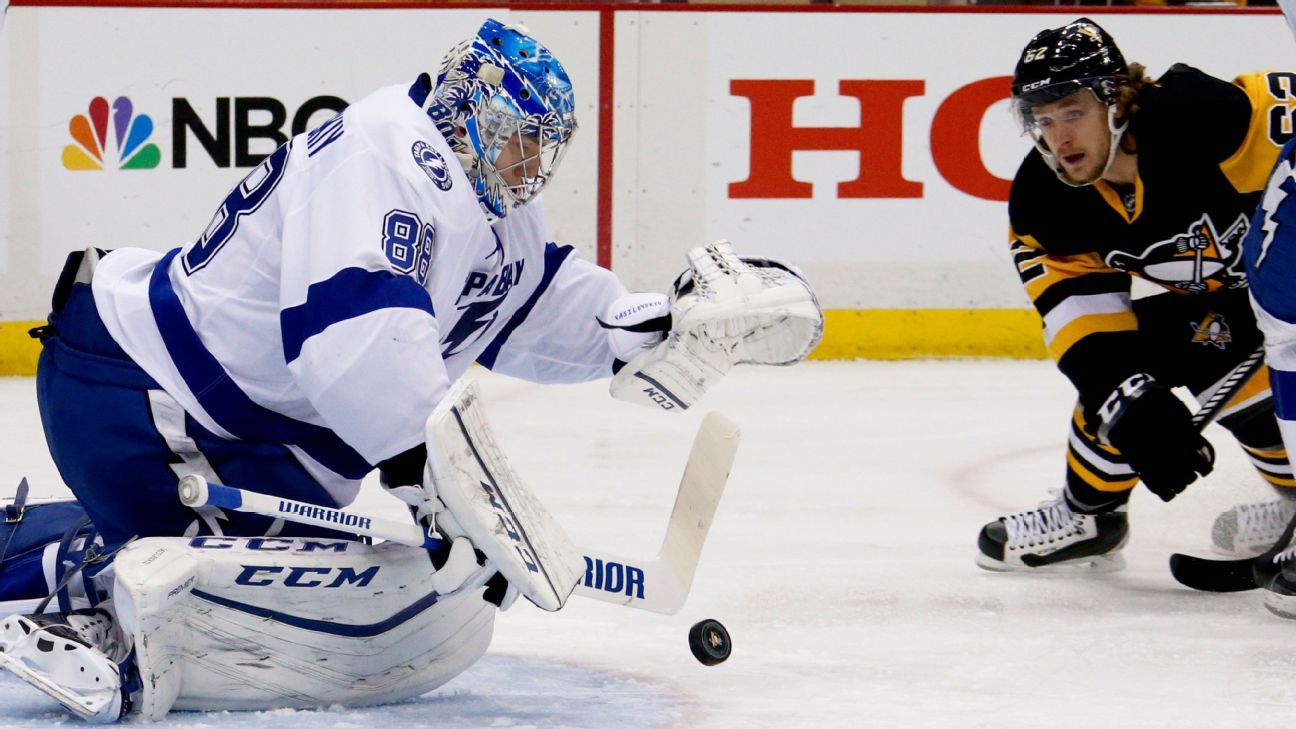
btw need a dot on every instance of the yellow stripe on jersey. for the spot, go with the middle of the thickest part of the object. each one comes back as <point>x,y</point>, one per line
<point>1054,268</point>
<point>1096,481</point>
<point>1078,418</point>
<point>1114,201</point>
<point>1072,308</point>
<point>1073,317</point>
<point>1272,117</point>
<point>1247,396</point>
<point>1285,482</point>
<point>1083,326</point>
<point>1274,453</point>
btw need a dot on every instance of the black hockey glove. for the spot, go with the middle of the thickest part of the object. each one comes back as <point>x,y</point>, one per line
<point>1154,431</point>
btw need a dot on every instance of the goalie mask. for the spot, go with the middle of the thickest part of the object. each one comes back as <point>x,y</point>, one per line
<point>505,105</point>
<point>1078,57</point>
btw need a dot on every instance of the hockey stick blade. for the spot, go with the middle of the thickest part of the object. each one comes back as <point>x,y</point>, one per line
<point>662,585</point>
<point>1213,575</point>
<point>1228,575</point>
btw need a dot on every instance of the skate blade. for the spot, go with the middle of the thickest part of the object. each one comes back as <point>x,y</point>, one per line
<point>1092,565</point>
<point>95,711</point>
<point>1284,606</point>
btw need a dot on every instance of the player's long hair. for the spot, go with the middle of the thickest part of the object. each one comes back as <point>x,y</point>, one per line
<point>1127,106</point>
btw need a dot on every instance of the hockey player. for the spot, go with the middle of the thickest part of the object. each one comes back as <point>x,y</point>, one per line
<point>1270,255</point>
<point>1132,177</point>
<point>301,343</point>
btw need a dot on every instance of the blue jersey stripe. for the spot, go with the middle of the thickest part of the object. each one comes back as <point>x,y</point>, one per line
<point>554,256</point>
<point>224,401</point>
<point>330,627</point>
<point>421,89</point>
<point>1283,385</point>
<point>351,292</point>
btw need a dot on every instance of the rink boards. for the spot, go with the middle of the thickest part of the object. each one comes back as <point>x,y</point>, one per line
<point>843,139</point>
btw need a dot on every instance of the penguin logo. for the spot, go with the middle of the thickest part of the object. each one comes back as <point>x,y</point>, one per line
<point>1213,331</point>
<point>1194,262</point>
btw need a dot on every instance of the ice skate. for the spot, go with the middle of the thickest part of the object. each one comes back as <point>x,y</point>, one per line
<point>1275,572</point>
<point>1278,579</point>
<point>1053,538</point>
<point>73,657</point>
<point>1247,530</point>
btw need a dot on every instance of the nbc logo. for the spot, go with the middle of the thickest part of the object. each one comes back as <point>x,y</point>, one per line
<point>130,132</point>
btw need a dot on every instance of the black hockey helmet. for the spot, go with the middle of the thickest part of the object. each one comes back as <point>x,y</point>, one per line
<point>1060,61</point>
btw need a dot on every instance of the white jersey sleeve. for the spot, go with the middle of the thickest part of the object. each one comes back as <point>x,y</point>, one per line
<point>554,336</point>
<point>562,340</point>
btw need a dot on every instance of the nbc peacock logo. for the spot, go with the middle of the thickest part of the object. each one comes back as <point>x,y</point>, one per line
<point>130,132</point>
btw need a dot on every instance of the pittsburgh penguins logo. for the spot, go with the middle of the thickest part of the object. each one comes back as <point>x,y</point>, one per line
<point>431,162</point>
<point>1194,262</point>
<point>1212,331</point>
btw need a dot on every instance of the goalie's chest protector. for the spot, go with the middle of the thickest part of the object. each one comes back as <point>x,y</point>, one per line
<point>1205,147</point>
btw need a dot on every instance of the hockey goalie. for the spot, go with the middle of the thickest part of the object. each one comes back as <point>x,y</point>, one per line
<point>311,335</point>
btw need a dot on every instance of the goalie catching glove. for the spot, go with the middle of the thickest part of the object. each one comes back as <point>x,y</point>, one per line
<point>724,311</point>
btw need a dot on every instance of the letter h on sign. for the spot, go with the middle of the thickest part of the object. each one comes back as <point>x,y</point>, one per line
<point>877,139</point>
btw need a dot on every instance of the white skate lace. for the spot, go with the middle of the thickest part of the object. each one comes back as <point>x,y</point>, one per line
<point>1287,554</point>
<point>1265,520</point>
<point>1049,521</point>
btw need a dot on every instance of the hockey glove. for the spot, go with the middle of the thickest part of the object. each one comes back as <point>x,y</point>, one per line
<point>725,311</point>
<point>1154,431</point>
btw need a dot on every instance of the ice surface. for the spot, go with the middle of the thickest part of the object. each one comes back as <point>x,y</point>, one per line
<point>841,562</point>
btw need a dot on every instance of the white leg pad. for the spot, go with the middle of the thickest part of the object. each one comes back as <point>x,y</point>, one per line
<point>225,623</point>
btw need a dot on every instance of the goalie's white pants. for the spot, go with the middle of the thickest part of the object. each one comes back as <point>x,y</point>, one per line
<point>228,623</point>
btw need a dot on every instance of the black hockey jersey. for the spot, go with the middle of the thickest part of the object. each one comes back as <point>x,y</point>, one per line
<point>1205,149</point>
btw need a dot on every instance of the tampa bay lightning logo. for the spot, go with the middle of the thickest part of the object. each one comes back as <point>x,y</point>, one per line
<point>432,163</point>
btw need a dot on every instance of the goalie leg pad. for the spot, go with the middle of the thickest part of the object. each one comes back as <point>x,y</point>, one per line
<point>225,623</point>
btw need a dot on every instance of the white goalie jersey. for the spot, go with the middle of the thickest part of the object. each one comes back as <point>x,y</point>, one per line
<point>343,286</point>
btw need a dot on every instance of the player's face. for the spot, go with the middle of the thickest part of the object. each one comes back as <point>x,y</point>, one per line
<point>1075,130</point>
<point>519,161</point>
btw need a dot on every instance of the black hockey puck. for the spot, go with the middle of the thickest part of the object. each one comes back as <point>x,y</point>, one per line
<point>709,642</point>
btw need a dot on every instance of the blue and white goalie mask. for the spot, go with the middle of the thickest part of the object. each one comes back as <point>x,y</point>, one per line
<point>505,105</point>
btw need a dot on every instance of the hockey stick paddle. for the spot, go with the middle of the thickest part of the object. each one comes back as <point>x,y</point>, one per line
<point>1221,575</point>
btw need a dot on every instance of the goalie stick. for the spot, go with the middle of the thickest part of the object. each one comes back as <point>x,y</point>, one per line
<point>1222,575</point>
<point>660,585</point>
